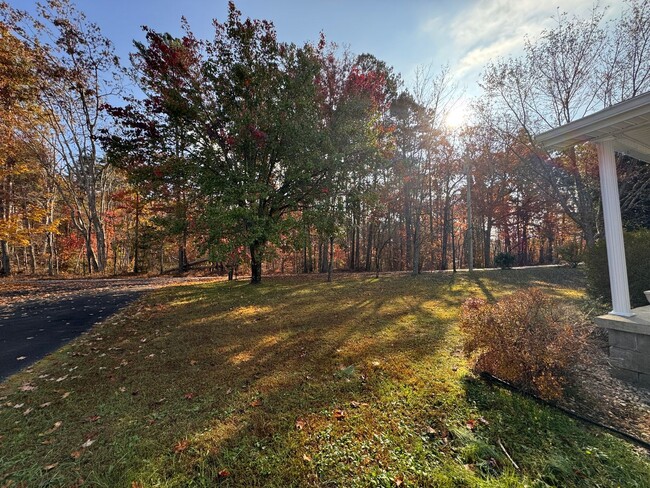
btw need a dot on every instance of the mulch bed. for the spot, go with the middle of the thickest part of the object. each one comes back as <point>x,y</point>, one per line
<point>597,395</point>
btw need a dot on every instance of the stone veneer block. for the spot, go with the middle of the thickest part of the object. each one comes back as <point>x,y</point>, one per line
<point>644,380</point>
<point>624,340</point>
<point>629,345</point>
<point>638,361</point>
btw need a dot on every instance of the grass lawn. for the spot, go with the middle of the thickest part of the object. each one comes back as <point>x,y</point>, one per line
<point>296,382</point>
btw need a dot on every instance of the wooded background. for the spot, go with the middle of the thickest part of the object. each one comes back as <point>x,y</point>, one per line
<point>246,154</point>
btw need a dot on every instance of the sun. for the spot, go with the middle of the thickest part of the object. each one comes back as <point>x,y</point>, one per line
<point>457,115</point>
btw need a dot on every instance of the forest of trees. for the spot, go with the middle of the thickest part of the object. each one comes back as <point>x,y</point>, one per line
<point>249,155</point>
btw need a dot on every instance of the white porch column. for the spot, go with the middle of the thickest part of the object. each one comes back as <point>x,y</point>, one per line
<point>613,228</point>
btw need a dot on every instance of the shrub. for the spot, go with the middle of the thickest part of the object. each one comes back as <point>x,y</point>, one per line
<point>637,257</point>
<point>571,253</point>
<point>526,339</point>
<point>504,260</point>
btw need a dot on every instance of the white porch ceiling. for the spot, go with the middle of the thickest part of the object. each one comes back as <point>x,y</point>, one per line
<point>628,123</point>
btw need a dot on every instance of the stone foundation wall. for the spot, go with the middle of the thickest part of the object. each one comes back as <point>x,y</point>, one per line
<point>629,355</point>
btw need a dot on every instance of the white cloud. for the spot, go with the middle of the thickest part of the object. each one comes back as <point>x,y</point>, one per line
<point>475,59</point>
<point>489,21</point>
<point>488,29</point>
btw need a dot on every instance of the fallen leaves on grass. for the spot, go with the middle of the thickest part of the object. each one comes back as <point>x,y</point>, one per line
<point>339,414</point>
<point>224,473</point>
<point>65,395</point>
<point>88,443</point>
<point>54,428</point>
<point>256,403</point>
<point>27,387</point>
<point>306,458</point>
<point>50,467</point>
<point>300,424</point>
<point>472,424</point>
<point>181,446</point>
<point>188,396</point>
<point>75,454</point>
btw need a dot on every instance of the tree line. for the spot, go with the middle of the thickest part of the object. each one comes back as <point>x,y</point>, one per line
<point>243,152</point>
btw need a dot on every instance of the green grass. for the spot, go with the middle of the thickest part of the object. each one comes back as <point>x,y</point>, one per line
<point>297,382</point>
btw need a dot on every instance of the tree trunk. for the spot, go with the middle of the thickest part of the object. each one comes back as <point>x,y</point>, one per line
<point>305,266</point>
<point>416,246</point>
<point>486,243</point>
<point>445,235</point>
<point>97,225</point>
<point>91,260</point>
<point>453,243</point>
<point>6,260</point>
<point>256,262</point>
<point>136,250</point>
<point>162,256</point>
<point>182,258</point>
<point>50,250</point>
<point>331,260</point>
<point>369,247</point>
<point>353,246</point>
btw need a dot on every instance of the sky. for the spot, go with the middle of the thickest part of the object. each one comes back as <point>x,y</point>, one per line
<point>464,34</point>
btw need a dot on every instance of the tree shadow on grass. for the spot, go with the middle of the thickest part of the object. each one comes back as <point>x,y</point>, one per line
<point>209,377</point>
<point>202,378</point>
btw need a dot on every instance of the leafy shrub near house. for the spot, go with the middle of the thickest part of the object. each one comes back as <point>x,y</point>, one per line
<point>572,253</point>
<point>504,260</point>
<point>526,338</point>
<point>637,257</point>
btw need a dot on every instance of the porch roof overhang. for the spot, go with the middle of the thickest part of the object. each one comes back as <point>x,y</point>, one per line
<point>627,123</point>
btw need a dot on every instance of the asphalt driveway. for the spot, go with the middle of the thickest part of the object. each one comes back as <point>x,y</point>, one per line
<point>39,316</point>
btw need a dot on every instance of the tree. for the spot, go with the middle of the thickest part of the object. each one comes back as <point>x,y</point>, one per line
<point>154,138</point>
<point>625,66</point>
<point>552,85</point>
<point>79,74</point>
<point>260,114</point>
<point>20,114</point>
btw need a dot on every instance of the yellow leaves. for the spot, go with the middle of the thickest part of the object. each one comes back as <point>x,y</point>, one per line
<point>13,231</point>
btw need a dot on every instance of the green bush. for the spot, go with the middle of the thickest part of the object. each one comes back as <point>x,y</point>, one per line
<point>637,256</point>
<point>504,260</point>
<point>571,253</point>
<point>526,338</point>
